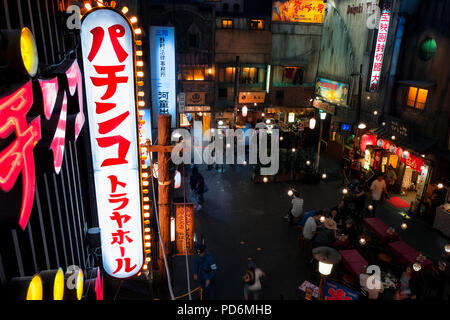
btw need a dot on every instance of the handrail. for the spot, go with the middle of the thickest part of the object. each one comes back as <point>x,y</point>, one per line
<point>184,295</point>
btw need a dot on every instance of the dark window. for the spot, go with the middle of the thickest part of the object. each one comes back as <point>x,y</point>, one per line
<point>193,41</point>
<point>279,94</point>
<point>225,6</point>
<point>223,92</point>
<point>236,7</point>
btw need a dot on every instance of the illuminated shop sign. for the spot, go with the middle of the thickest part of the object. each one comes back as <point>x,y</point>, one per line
<point>306,11</point>
<point>162,57</point>
<point>109,64</point>
<point>383,30</point>
<point>332,91</point>
<point>47,133</point>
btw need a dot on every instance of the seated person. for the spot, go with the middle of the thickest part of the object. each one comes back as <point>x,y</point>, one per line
<point>336,215</point>
<point>405,291</point>
<point>327,236</point>
<point>351,232</point>
<point>372,287</point>
<point>311,214</point>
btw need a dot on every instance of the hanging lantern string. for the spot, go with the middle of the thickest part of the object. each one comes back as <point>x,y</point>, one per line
<point>185,235</point>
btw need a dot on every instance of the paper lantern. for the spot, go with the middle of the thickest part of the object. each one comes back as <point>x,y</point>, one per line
<point>244,111</point>
<point>312,123</point>
<point>177,179</point>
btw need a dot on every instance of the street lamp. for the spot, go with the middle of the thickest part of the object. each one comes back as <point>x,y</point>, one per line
<point>362,126</point>
<point>327,257</point>
<point>323,116</point>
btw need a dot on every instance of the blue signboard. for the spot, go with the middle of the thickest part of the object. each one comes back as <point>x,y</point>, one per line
<point>336,291</point>
<point>346,127</point>
<point>162,64</point>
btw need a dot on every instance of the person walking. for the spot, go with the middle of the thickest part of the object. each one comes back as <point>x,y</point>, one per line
<point>205,271</point>
<point>197,183</point>
<point>376,191</point>
<point>296,209</point>
<point>252,282</point>
<point>391,177</point>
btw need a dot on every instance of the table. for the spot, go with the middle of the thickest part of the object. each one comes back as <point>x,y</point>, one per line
<point>379,228</point>
<point>406,255</point>
<point>353,262</point>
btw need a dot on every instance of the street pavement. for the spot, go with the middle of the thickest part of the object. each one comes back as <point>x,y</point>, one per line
<point>242,220</point>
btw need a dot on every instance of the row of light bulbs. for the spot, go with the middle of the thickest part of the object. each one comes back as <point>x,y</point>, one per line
<point>141,104</point>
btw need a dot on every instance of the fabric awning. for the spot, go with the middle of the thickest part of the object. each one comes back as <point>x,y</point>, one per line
<point>419,84</point>
<point>420,143</point>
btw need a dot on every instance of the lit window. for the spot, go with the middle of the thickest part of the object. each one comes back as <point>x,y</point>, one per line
<point>227,23</point>
<point>256,24</point>
<point>227,74</point>
<point>417,98</point>
<point>249,75</point>
<point>194,73</point>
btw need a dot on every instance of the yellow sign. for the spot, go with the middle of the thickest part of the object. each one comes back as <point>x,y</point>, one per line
<point>34,291</point>
<point>252,97</point>
<point>305,11</point>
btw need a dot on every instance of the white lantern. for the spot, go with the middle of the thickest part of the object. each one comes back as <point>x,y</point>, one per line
<point>265,179</point>
<point>362,241</point>
<point>324,176</point>
<point>290,193</point>
<point>404,226</point>
<point>268,121</point>
<point>177,179</point>
<point>325,268</point>
<point>308,162</point>
<point>345,191</point>
<point>322,219</point>
<point>155,170</point>
<point>440,185</point>
<point>362,126</point>
<point>172,229</point>
<point>370,207</point>
<point>312,123</point>
<point>323,115</point>
<point>417,266</point>
<point>244,111</point>
<point>447,248</point>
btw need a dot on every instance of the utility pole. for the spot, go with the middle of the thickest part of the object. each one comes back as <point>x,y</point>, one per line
<point>163,149</point>
<point>236,90</point>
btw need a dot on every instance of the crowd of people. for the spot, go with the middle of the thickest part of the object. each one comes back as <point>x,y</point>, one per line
<point>341,228</point>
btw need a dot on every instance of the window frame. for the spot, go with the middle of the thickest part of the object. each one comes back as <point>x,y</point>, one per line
<point>258,21</point>
<point>408,88</point>
<point>230,22</point>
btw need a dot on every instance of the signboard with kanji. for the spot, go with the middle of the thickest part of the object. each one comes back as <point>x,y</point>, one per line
<point>332,91</point>
<point>305,11</point>
<point>107,41</point>
<point>184,233</point>
<point>383,30</point>
<point>162,58</point>
<point>336,291</point>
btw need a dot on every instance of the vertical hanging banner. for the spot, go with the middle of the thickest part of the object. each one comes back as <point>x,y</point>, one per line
<point>162,57</point>
<point>383,30</point>
<point>109,69</point>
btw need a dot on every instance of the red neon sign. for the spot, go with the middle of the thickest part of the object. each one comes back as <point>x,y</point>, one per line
<point>18,156</point>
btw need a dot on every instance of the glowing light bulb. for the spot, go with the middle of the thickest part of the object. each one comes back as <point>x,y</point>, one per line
<point>133,20</point>
<point>362,241</point>
<point>290,193</point>
<point>293,149</point>
<point>138,31</point>
<point>88,6</point>
<point>440,185</point>
<point>281,138</point>
<point>324,176</point>
<point>322,219</point>
<point>140,63</point>
<point>265,179</point>
<point>370,207</point>
<point>124,10</point>
<point>345,191</point>
<point>308,163</point>
<point>404,226</point>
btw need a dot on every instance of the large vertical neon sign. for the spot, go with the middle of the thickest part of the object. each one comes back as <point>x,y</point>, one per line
<point>108,57</point>
<point>162,48</point>
<point>383,30</point>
